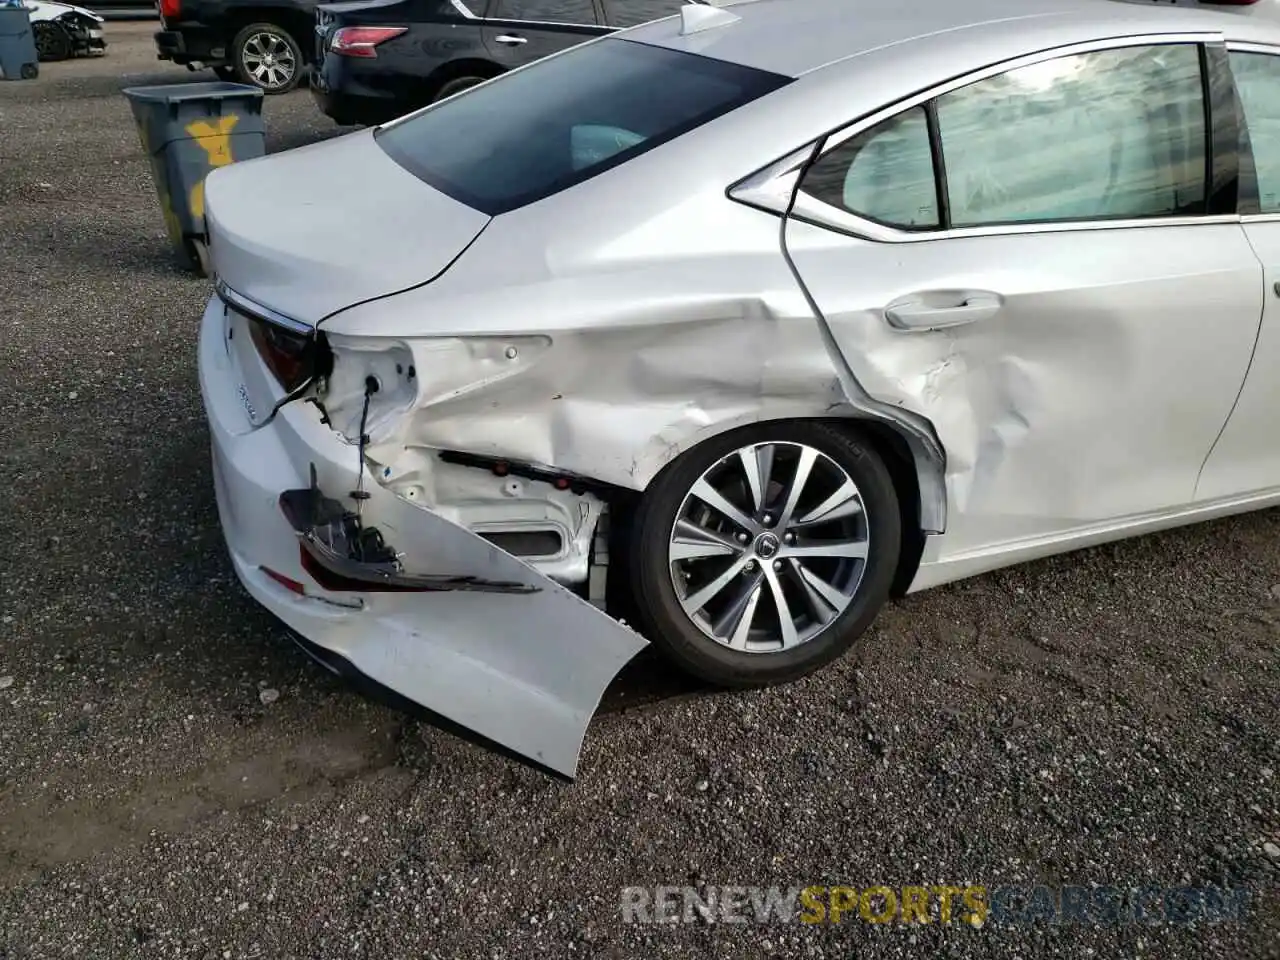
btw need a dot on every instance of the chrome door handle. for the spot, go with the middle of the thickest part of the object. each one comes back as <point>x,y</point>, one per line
<point>510,40</point>
<point>935,311</point>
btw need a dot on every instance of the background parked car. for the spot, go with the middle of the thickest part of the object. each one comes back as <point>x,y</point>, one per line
<point>379,59</point>
<point>124,9</point>
<point>62,31</point>
<point>259,43</point>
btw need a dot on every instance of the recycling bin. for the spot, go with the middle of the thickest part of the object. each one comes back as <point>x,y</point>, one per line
<point>18,60</point>
<point>187,130</point>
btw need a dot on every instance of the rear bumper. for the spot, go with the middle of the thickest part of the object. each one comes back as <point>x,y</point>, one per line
<point>191,44</point>
<point>521,670</point>
<point>342,96</point>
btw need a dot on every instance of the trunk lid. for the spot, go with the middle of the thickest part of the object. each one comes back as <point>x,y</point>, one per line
<point>312,230</point>
<point>331,16</point>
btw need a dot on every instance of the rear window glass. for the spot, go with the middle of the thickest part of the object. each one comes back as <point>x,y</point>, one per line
<point>566,118</point>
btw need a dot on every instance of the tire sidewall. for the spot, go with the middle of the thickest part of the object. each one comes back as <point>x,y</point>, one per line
<point>237,56</point>
<point>457,85</point>
<point>671,629</point>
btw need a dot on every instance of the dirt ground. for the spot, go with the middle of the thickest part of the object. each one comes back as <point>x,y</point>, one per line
<point>1108,718</point>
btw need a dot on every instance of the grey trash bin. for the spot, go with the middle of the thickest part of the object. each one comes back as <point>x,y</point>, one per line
<point>18,60</point>
<point>188,129</point>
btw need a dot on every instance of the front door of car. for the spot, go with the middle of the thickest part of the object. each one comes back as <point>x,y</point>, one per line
<point>517,32</point>
<point>1034,262</point>
<point>1246,458</point>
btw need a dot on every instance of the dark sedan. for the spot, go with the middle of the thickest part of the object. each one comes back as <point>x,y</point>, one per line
<point>379,59</point>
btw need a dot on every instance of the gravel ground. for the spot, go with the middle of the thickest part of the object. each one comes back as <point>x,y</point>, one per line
<point>1106,718</point>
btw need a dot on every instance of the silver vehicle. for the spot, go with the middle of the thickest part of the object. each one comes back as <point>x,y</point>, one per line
<point>735,324</point>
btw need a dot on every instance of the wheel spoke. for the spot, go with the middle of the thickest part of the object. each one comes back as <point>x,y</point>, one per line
<point>853,550</point>
<point>735,622</point>
<point>693,542</point>
<point>704,596</point>
<point>714,499</point>
<point>803,467</point>
<point>786,622</point>
<point>757,464</point>
<point>845,502</point>
<point>825,601</point>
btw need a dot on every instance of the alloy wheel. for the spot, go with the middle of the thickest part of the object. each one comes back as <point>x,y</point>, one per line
<point>269,60</point>
<point>769,547</point>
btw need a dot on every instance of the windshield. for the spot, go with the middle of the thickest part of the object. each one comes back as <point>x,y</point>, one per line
<point>566,118</point>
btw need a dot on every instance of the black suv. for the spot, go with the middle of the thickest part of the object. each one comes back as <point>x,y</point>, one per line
<point>261,42</point>
<point>379,59</point>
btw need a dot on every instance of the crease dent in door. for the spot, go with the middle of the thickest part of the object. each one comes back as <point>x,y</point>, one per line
<point>1054,358</point>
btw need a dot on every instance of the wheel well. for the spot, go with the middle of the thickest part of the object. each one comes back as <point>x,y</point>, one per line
<point>893,450</point>
<point>460,68</point>
<point>888,443</point>
<point>299,27</point>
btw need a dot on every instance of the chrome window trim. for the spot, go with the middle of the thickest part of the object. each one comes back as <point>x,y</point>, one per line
<point>463,9</point>
<point>251,308</point>
<point>1251,46</point>
<point>1270,50</point>
<point>815,211</point>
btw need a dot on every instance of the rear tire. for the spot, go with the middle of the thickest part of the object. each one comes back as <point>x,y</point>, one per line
<point>457,85</point>
<point>266,56</point>
<point>819,572</point>
<point>53,43</point>
<point>198,254</point>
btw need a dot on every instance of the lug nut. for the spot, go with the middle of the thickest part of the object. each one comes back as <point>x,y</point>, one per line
<point>767,519</point>
<point>742,538</point>
<point>750,565</point>
<point>788,538</point>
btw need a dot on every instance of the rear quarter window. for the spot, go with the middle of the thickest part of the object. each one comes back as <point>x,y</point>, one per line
<point>565,119</point>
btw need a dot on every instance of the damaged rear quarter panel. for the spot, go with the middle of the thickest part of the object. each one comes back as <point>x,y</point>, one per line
<point>650,353</point>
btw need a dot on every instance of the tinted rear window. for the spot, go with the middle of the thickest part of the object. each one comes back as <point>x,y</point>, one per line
<point>565,119</point>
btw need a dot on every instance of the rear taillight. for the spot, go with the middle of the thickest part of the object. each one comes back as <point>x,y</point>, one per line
<point>287,355</point>
<point>170,9</point>
<point>361,41</point>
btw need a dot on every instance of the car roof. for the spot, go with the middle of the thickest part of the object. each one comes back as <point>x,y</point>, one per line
<point>795,37</point>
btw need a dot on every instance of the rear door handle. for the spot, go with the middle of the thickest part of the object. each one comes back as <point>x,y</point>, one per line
<point>937,310</point>
<point>511,39</point>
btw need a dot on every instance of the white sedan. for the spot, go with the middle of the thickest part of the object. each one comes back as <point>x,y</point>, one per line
<point>733,325</point>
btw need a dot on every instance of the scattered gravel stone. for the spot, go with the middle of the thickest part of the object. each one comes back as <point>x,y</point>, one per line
<point>6,683</point>
<point>1139,675</point>
<point>269,695</point>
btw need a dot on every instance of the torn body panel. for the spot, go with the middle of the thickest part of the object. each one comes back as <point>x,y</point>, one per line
<point>606,387</point>
<point>1146,330</point>
<point>492,646</point>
